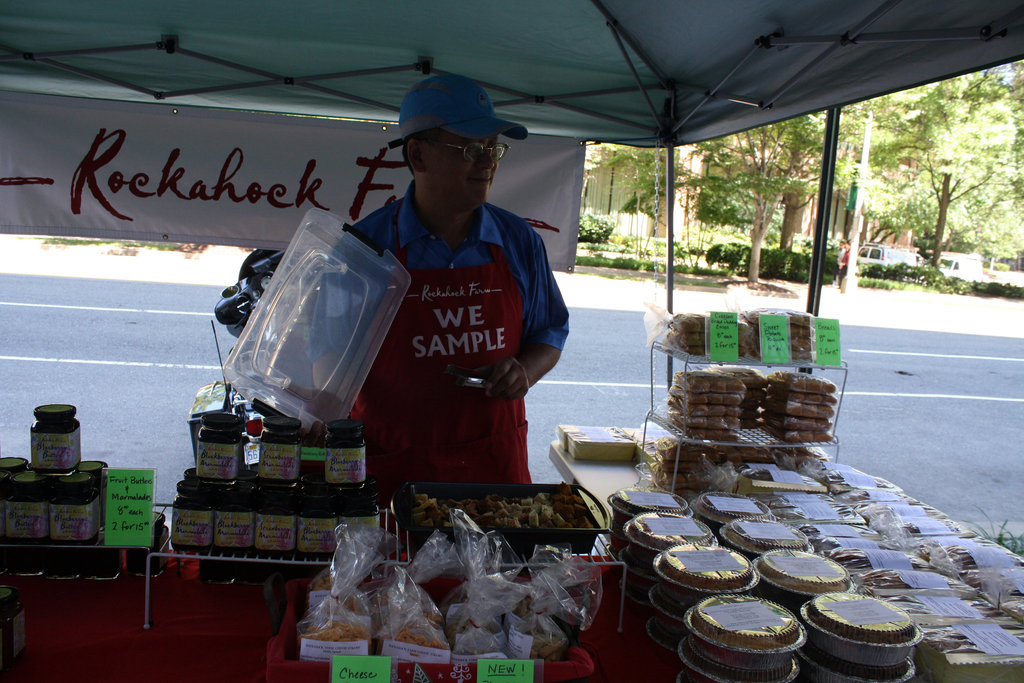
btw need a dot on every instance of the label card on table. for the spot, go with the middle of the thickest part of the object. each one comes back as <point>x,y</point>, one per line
<point>504,671</point>
<point>805,566</point>
<point>992,639</point>
<point>774,338</point>
<point>366,668</point>
<point>826,341</point>
<point>741,616</point>
<point>723,337</point>
<point>707,560</point>
<point>744,505</point>
<point>128,507</point>
<point>651,499</point>
<point>864,612</point>
<point>674,526</point>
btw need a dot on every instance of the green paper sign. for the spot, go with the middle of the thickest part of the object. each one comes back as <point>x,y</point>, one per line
<point>723,337</point>
<point>826,341</point>
<point>774,339</point>
<point>311,453</point>
<point>504,671</point>
<point>363,668</point>
<point>128,507</point>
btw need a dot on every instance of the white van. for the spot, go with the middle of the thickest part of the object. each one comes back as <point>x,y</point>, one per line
<point>885,255</point>
<point>963,266</point>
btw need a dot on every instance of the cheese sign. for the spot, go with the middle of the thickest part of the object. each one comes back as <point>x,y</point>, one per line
<point>774,338</point>
<point>723,337</point>
<point>367,668</point>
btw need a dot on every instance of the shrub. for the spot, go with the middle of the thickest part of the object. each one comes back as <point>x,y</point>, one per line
<point>594,228</point>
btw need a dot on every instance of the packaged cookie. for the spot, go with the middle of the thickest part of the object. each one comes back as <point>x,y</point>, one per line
<point>884,583</point>
<point>409,625</point>
<point>782,382</point>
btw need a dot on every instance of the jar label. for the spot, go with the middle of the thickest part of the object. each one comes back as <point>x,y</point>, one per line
<point>275,532</point>
<point>368,521</point>
<point>316,535</point>
<point>74,522</point>
<point>217,460</point>
<point>280,461</point>
<point>345,465</point>
<point>234,529</point>
<point>56,451</point>
<point>28,520</point>
<point>191,527</point>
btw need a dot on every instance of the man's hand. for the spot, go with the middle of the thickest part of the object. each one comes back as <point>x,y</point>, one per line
<point>510,378</point>
<point>507,379</point>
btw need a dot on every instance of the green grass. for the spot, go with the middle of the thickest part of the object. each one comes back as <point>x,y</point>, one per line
<point>161,246</point>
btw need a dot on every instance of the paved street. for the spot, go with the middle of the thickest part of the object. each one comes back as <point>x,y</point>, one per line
<point>933,400</point>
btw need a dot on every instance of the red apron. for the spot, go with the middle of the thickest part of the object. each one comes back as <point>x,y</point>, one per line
<point>421,426</point>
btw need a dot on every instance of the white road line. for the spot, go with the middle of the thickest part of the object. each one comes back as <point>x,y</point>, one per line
<point>105,309</point>
<point>959,397</point>
<point>936,355</point>
<point>124,363</point>
<point>626,385</point>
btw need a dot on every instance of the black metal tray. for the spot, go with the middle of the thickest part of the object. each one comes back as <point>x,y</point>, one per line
<point>522,541</point>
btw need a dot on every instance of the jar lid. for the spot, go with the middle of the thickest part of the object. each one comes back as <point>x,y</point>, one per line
<point>238,493</point>
<point>31,482</point>
<point>91,466</point>
<point>75,479</point>
<point>346,429</point>
<point>13,464</point>
<point>222,421</point>
<point>8,594</point>
<point>281,423</point>
<point>54,412</point>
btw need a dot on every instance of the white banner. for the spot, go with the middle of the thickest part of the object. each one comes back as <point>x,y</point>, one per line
<point>155,172</point>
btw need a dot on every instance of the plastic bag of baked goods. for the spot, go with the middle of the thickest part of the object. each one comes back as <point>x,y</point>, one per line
<point>435,557</point>
<point>572,581</point>
<point>340,624</point>
<point>407,623</point>
<point>473,610</point>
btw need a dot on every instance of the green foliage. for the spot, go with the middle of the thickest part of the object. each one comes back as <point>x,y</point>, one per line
<point>932,279</point>
<point>1001,267</point>
<point>594,228</point>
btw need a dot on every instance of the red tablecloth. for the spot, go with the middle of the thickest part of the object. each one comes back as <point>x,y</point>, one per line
<point>93,630</point>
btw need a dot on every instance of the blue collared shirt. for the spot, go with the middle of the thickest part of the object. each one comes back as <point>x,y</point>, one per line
<point>545,317</point>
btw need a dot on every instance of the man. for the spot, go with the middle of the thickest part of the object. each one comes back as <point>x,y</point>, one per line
<point>482,298</point>
<point>843,262</point>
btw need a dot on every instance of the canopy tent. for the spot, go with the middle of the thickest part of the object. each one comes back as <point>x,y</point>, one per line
<point>640,72</point>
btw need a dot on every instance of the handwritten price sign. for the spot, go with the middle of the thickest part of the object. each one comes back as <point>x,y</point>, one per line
<point>128,507</point>
<point>723,337</point>
<point>774,339</point>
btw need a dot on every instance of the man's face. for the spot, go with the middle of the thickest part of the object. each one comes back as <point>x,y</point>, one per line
<point>444,173</point>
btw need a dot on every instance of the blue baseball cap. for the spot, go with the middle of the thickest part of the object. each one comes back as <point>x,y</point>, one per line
<point>456,104</point>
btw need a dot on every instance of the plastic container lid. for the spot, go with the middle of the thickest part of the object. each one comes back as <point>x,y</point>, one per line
<point>281,424</point>
<point>8,595</point>
<point>331,302</point>
<point>345,429</point>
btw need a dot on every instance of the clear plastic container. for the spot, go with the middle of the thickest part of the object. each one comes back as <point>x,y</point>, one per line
<point>315,332</point>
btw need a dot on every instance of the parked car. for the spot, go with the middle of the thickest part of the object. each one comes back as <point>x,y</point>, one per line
<point>886,255</point>
<point>963,266</point>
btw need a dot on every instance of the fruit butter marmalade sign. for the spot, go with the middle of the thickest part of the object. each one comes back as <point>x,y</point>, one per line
<point>158,172</point>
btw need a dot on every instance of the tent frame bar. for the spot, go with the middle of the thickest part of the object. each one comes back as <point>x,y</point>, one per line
<point>829,150</point>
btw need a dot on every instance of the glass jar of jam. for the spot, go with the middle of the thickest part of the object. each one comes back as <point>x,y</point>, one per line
<point>27,522</point>
<point>317,520</point>
<point>219,446</point>
<point>94,468</point>
<point>192,517</point>
<point>12,626</point>
<point>135,558</point>
<point>280,450</point>
<point>234,528</point>
<point>360,507</point>
<point>74,521</point>
<point>345,452</point>
<point>5,491</point>
<point>56,439</point>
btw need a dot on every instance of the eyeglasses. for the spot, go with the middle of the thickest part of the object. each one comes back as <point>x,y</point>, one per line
<point>475,150</point>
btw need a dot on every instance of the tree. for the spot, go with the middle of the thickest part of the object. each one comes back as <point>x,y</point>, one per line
<point>750,174</point>
<point>947,141</point>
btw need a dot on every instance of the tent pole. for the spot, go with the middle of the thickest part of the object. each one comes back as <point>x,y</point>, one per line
<point>822,220</point>
<point>670,200</point>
